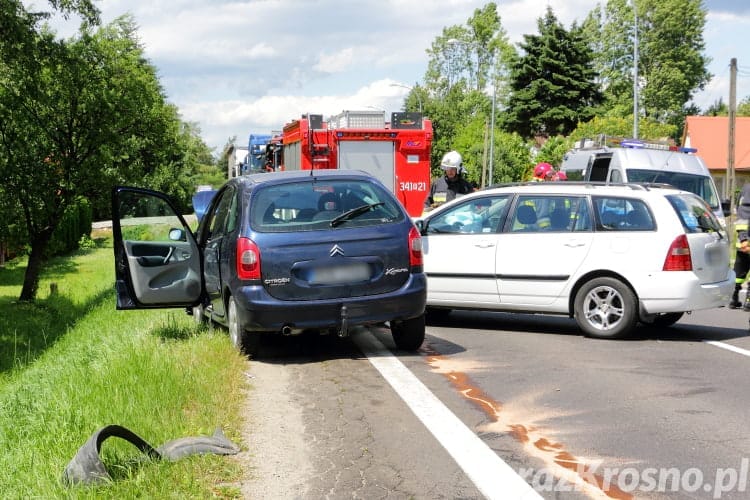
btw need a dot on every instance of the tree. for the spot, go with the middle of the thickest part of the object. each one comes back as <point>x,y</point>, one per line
<point>552,83</point>
<point>621,127</point>
<point>553,150</point>
<point>465,63</point>
<point>77,117</point>
<point>671,63</point>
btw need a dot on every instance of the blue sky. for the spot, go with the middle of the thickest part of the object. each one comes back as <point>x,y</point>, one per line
<point>250,66</point>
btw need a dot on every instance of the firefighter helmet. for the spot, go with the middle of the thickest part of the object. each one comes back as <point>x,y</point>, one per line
<point>451,159</point>
<point>542,170</point>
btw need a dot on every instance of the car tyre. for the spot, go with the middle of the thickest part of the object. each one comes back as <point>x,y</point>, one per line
<point>245,343</point>
<point>662,320</point>
<point>409,334</point>
<point>199,314</point>
<point>605,308</point>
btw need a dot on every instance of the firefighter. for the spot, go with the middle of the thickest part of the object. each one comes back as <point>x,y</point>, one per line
<point>544,172</point>
<point>450,185</point>
<point>742,253</point>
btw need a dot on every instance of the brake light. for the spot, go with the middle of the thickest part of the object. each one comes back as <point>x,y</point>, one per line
<point>415,248</point>
<point>248,259</point>
<point>678,256</point>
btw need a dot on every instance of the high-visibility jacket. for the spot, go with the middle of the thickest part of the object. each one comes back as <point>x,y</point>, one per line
<point>741,227</point>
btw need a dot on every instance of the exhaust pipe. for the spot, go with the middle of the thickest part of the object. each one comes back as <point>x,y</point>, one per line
<point>286,330</point>
<point>344,328</point>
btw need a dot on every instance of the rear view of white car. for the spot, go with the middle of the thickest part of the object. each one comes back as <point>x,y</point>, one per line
<point>607,255</point>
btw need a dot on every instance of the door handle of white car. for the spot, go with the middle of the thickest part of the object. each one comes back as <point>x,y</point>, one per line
<point>574,244</point>
<point>485,244</point>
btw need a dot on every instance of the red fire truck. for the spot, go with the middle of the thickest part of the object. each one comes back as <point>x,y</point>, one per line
<point>395,152</point>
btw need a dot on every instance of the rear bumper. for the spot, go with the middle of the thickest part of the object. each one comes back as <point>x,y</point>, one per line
<point>258,311</point>
<point>681,292</point>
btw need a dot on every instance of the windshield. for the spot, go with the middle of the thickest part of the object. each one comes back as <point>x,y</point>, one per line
<point>701,185</point>
<point>310,204</point>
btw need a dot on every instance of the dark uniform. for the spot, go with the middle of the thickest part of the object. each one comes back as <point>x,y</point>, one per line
<point>444,189</point>
<point>741,256</point>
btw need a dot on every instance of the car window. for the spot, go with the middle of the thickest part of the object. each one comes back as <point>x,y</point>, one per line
<point>477,215</point>
<point>615,213</point>
<point>550,214</point>
<point>698,184</point>
<point>146,218</point>
<point>694,213</point>
<point>218,216</point>
<point>313,204</point>
<point>233,215</point>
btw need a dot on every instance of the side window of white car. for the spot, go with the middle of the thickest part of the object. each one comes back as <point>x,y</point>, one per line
<point>622,214</point>
<point>478,215</point>
<point>550,214</point>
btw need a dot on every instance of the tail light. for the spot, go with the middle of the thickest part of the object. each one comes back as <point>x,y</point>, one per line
<point>415,248</point>
<point>248,259</point>
<point>678,256</point>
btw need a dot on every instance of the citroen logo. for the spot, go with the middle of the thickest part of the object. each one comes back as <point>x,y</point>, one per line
<point>336,250</point>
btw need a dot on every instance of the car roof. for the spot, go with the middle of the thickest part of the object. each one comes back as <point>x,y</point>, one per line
<point>579,187</point>
<point>655,159</point>
<point>283,176</point>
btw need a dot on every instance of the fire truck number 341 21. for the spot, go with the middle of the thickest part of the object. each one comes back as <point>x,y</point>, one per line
<point>412,186</point>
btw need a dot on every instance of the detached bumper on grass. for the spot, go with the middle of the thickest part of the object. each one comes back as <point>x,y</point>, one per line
<point>88,468</point>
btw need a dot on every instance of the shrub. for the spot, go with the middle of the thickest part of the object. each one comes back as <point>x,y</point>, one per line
<point>75,224</point>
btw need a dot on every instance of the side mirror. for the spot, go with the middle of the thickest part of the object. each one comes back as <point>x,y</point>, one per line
<point>176,234</point>
<point>421,225</point>
<point>726,207</point>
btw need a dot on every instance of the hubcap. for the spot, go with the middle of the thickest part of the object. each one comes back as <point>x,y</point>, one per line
<point>603,308</point>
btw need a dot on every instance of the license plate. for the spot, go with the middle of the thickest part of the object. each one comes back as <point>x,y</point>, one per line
<point>714,256</point>
<point>338,275</point>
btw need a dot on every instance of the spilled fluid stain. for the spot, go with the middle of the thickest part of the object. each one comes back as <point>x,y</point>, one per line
<point>560,462</point>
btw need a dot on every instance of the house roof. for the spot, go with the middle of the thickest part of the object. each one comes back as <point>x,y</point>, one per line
<point>710,136</point>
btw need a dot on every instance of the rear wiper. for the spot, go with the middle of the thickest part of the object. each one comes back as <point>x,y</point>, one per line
<point>354,212</point>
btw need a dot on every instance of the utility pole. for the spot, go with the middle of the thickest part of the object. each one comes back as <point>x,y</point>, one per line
<point>635,71</point>
<point>492,128</point>
<point>730,151</point>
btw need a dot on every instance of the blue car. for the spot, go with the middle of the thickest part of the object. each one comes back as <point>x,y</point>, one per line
<point>280,252</point>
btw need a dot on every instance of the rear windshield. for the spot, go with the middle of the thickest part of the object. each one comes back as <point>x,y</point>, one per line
<point>311,204</point>
<point>695,214</point>
<point>698,184</point>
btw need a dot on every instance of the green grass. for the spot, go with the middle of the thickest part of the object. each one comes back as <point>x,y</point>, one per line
<point>71,364</point>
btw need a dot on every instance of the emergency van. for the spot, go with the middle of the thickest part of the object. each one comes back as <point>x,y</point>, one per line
<point>614,160</point>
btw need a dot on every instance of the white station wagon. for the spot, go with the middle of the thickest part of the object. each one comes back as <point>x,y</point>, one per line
<point>607,255</point>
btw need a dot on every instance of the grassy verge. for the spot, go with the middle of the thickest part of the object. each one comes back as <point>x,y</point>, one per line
<point>71,364</point>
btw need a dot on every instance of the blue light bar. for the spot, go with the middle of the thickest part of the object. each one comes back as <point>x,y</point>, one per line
<point>632,143</point>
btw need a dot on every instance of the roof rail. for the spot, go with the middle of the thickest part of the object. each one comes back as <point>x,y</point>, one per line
<point>610,141</point>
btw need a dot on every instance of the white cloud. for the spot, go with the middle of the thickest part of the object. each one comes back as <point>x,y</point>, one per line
<point>335,63</point>
<point>242,66</point>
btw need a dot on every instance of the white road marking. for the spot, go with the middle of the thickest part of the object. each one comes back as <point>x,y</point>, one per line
<point>728,347</point>
<point>491,475</point>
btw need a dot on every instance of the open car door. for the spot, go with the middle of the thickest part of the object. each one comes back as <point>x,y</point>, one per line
<point>157,260</point>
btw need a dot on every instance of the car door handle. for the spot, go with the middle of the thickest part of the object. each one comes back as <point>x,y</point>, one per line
<point>574,244</point>
<point>485,244</point>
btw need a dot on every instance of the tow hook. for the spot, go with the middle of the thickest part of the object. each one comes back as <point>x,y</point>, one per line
<point>344,329</point>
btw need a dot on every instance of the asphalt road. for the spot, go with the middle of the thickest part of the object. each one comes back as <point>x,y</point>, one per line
<point>662,415</point>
